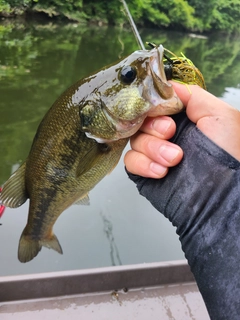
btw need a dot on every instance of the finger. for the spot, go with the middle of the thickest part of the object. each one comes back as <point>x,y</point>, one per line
<point>219,121</point>
<point>160,151</point>
<point>138,163</point>
<point>200,103</point>
<point>162,127</point>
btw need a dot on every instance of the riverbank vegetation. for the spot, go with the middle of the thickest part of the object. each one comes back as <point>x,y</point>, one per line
<point>191,15</point>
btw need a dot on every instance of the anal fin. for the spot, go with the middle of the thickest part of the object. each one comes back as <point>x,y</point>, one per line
<point>52,243</point>
<point>83,200</point>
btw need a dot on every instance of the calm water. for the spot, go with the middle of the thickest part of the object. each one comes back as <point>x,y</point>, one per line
<point>37,63</point>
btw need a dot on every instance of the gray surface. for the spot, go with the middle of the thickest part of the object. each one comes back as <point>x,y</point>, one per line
<point>179,302</point>
<point>155,291</point>
<point>46,285</point>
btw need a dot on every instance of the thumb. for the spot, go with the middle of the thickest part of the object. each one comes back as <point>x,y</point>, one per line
<point>219,121</point>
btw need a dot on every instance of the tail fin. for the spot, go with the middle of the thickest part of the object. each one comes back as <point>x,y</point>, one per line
<point>28,248</point>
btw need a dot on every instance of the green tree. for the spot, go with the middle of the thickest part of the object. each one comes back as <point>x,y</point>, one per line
<point>163,13</point>
<point>226,16</point>
<point>203,12</point>
<point>191,15</point>
<point>71,9</point>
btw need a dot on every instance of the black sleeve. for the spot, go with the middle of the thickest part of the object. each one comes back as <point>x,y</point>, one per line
<point>201,197</point>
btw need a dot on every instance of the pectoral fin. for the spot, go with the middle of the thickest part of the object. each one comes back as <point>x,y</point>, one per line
<point>14,192</point>
<point>91,157</point>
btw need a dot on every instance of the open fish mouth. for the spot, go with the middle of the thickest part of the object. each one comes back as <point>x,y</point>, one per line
<point>156,61</point>
<point>160,94</point>
<point>160,83</point>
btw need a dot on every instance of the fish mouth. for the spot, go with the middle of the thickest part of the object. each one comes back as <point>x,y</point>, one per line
<point>160,83</point>
<point>160,92</point>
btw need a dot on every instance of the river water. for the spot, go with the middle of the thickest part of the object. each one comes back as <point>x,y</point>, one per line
<point>37,63</point>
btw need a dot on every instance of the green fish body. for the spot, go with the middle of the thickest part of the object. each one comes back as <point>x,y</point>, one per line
<point>81,139</point>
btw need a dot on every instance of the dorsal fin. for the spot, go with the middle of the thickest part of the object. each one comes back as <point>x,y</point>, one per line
<point>14,192</point>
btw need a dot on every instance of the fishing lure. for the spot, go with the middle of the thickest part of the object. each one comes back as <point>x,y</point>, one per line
<point>181,69</point>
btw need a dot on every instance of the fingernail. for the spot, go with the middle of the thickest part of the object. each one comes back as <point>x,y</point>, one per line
<point>161,125</point>
<point>157,168</point>
<point>169,153</point>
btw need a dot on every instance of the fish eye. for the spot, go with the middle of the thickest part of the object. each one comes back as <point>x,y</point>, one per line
<point>127,74</point>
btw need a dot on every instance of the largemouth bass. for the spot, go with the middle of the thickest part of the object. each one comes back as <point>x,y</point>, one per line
<point>81,139</point>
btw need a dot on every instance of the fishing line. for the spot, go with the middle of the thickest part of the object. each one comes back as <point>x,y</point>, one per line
<point>133,25</point>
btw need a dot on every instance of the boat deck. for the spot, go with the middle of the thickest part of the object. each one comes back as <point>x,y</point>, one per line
<point>147,291</point>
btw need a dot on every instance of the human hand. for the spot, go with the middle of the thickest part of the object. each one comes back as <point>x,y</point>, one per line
<point>201,195</point>
<point>152,154</point>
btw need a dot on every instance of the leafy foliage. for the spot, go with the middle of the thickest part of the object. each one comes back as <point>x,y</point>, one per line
<point>71,9</point>
<point>226,15</point>
<point>191,15</point>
